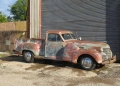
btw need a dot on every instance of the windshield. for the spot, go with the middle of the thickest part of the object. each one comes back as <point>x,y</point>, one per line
<point>68,36</point>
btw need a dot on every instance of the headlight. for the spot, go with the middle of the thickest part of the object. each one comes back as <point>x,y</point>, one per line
<point>101,49</point>
<point>104,56</point>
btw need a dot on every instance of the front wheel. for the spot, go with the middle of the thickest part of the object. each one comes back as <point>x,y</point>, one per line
<point>87,63</point>
<point>28,56</point>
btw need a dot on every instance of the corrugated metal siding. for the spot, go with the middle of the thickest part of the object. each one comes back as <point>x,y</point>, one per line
<point>35,18</point>
<point>113,25</point>
<point>87,17</point>
<point>92,19</point>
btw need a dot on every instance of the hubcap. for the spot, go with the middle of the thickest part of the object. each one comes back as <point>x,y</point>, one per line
<point>87,62</point>
<point>28,56</point>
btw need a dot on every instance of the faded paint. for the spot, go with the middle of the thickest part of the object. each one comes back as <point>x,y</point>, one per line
<point>72,52</point>
<point>36,46</point>
<point>54,50</point>
<point>68,50</point>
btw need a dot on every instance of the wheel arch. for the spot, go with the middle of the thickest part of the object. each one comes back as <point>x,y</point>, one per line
<point>83,55</point>
<point>29,51</point>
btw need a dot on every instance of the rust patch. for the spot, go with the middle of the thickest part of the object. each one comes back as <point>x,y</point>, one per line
<point>29,44</point>
<point>70,51</point>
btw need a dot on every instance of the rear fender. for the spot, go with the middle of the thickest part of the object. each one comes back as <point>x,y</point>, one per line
<point>33,47</point>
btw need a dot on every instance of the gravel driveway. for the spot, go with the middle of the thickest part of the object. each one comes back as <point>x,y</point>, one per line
<point>15,72</point>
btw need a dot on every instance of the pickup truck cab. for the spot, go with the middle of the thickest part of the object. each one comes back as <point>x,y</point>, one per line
<point>62,45</point>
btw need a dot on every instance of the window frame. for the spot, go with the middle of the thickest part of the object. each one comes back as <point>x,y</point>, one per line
<point>61,40</point>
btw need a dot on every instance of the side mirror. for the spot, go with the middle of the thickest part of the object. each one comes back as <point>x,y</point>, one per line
<point>80,38</point>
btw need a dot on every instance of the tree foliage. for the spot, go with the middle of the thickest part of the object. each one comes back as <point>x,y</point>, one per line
<point>19,10</point>
<point>2,17</point>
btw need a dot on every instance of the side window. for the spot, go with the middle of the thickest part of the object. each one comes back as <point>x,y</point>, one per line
<point>66,36</point>
<point>54,37</point>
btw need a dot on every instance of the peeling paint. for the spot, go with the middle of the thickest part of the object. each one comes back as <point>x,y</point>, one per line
<point>68,50</point>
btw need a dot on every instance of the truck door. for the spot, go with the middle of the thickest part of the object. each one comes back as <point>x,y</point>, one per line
<point>54,47</point>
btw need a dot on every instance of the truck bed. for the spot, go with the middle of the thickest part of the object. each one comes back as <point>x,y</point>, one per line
<point>37,46</point>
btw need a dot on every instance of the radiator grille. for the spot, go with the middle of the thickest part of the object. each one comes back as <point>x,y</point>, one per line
<point>107,51</point>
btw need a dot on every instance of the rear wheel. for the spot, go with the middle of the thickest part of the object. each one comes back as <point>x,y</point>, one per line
<point>87,63</point>
<point>28,56</point>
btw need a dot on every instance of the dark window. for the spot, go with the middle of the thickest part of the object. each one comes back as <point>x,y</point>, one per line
<point>54,37</point>
<point>68,36</point>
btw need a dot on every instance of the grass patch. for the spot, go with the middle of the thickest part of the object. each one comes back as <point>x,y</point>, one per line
<point>1,55</point>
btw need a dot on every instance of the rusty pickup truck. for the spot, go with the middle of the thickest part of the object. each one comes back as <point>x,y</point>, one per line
<point>62,45</point>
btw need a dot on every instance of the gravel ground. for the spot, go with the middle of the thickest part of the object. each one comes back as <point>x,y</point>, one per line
<point>15,72</point>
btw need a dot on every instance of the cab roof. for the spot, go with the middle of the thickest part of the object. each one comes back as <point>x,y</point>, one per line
<point>58,31</point>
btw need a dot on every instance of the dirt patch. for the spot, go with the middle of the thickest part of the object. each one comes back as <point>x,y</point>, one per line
<point>15,72</point>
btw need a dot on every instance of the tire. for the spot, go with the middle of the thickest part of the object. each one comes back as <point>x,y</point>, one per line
<point>87,63</point>
<point>28,56</point>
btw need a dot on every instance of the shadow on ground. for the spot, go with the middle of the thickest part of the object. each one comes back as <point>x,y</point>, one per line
<point>12,58</point>
<point>40,61</point>
<point>44,61</point>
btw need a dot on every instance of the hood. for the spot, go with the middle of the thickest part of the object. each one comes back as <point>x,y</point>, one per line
<point>89,44</point>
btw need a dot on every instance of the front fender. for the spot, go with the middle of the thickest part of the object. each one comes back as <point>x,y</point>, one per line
<point>91,52</point>
<point>72,53</point>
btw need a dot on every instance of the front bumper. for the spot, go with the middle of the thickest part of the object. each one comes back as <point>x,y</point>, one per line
<point>112,60</point>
